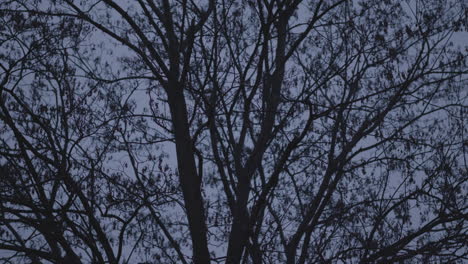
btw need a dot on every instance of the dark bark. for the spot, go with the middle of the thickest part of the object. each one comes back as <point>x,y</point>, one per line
<point>190,181</point>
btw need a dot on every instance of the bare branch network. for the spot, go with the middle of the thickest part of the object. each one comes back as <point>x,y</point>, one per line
<point>226,131</point>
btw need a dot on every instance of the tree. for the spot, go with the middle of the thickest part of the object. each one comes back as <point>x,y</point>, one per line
<point>304,131</point>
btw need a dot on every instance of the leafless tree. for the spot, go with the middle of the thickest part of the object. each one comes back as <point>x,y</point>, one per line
<point>304,131</point>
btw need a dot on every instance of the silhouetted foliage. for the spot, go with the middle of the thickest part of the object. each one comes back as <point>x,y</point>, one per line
<point>225,131</point>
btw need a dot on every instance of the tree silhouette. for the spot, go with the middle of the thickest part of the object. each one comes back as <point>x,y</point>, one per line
<point>233,131</point>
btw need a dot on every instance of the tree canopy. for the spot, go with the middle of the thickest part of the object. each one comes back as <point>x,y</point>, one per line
<point>224,131</point>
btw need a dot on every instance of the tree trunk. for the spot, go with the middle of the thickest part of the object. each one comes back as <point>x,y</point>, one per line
<point>189,180</point>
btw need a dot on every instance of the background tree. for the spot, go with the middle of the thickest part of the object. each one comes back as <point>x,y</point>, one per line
<point>65,193</point>
<point>304,131</point>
